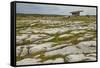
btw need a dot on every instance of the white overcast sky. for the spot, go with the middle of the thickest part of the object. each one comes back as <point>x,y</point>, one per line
<point>27,8</point>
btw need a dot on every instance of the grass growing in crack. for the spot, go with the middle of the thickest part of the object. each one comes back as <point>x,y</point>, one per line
<point>41,53</point>
<point>25,42</point>
<point>53,57</point>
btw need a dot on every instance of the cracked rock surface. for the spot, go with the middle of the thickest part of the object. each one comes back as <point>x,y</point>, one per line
<point>55,39</point>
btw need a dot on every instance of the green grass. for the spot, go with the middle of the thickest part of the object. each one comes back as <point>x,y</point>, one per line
<point>83,18</point>
<point>18,58</point>
<point>53,57</point>
<point>25,42</point>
